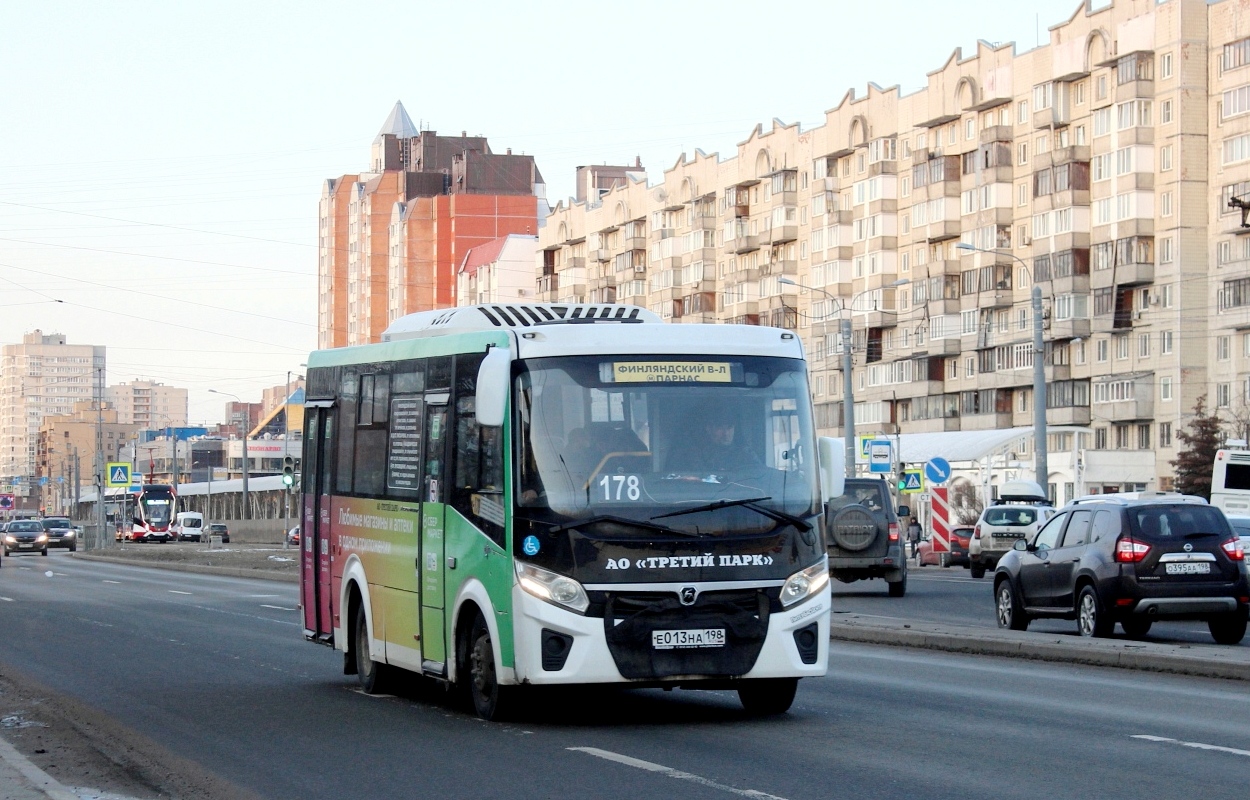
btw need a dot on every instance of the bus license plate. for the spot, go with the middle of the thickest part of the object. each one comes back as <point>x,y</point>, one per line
<point>1188,568</point>
<point>672,640</point>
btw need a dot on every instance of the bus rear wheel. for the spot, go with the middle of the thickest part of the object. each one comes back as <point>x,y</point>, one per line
<point>490,699</point>
<point>370,673</point>
<point>768,696</point>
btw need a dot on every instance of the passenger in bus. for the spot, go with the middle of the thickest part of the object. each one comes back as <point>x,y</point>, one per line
<point>715,446</point>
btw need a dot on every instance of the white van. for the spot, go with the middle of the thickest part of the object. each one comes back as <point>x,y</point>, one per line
<point>189,526</point>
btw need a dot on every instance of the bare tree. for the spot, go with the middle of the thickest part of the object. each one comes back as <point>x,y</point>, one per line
<point>965,504</point>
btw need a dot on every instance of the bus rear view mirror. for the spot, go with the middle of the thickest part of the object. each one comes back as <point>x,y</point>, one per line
<point>832,467</point>
<point>493,379</point>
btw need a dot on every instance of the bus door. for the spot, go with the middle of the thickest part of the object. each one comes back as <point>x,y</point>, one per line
<point>430,557</point>
<point>315,589</point>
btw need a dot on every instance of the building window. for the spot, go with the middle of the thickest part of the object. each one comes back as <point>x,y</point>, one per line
<point>1165,389</point>
<point>1223,395</point>
<point>1165,158</point>
<point>1165,440</point>
<point>1165,204</point>
<point>1222,348</point>
<point>1100,438</point>
<point>1165,66</point>
<point>1121,347</point>
<point>1143,437</point>
<point>1167,295</point>
<point>1143,345</point>
<point>1101,349</point>
<point>1165,112</point>
<point>1165,342</point>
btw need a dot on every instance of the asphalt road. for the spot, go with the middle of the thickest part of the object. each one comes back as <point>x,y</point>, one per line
<point>216,670</point>
<point>937,594</point>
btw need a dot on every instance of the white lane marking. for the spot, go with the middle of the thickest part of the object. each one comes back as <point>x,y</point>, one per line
<point>279,608</point>
<point>7,599</point>
<point>175,591</point>
<point>671,773</point>
<point>263,595</point>
<point>1197,745</point>
<point>116,582</point>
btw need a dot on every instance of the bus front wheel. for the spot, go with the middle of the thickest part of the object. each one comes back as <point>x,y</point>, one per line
<point>768,696</point>
<point>489,698</point>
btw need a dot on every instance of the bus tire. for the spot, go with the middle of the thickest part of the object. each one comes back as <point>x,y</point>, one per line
<point>370,673</point>
<point>768,696</point>
<point>482,682</point>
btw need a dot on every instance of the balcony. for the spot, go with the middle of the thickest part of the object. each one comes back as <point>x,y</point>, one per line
<point>705,223</point>
<point>1236,318</point>
<point>635,243</point>
<point>1134,274</point>
<point>660,234</point>
<point>1071,415</point>
<point>1131,90</point>
<point>1109,323</point>
<point>574,262</point>
<point>785,233</point>
<point>1070,284</point>
<point>997,133</point>
<point>986,422</point>
<point>1128,410</point>
<point>782,267</point>
<point>601,255</point>
<point>1069,329</point>
<point>548,285</point>
<point>745,244</point>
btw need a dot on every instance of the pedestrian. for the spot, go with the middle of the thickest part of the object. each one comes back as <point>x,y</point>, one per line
<point>913,535</point>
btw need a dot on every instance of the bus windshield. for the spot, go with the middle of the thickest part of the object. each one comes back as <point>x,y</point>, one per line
<point>634,437</point>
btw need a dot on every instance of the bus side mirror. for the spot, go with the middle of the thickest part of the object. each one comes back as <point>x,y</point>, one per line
<point>493,380</point>
<point>832,467</point>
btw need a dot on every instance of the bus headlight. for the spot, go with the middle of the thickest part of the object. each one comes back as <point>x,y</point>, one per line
<point>552,587</point>
<point>805,583</point>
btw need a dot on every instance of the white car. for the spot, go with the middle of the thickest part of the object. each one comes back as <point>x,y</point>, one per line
<point>1020,510</point>
<point>1241,527</point>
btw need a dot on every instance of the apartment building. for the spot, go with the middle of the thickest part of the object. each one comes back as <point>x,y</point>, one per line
<point>148,404</point>
<point>65,452</point>
<point>391,239</point>
<point>501,271</point>
<point>42,376</point>
<point>1099,165</point>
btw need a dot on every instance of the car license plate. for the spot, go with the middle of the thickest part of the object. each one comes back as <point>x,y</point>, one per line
<point>1188,568</point>
<point>672,640</point>
<point>26,546</point>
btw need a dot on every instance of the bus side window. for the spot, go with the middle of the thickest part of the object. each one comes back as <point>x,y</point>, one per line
<point>346,438</point>
<point>477,482</point>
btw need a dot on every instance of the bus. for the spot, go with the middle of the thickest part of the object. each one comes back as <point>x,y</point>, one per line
<point>1230,481</point>
<point>155,510</point>
<point>508,495</point>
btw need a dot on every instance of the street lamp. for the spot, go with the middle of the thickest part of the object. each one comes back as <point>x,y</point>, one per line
<point>247,514</point>
<point>1040,468</point>
<point>848,366</point>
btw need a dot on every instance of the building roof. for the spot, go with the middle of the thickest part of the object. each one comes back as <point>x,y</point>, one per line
<point>482,255</point>
<point>398,124</point>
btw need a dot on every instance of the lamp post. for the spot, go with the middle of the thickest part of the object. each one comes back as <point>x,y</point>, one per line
<point>243,422</point>
<point>848,366</point>
<point>1041,468</point>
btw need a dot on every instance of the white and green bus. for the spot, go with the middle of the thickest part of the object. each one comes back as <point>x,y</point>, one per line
<point>506,495</point>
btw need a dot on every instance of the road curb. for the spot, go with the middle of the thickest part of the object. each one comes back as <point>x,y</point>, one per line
<point>199,569</point>
<point>31,782</point>
<point>1208,661</point>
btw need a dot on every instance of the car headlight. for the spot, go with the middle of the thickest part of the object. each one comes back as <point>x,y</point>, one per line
<point>552,587</point>
<point>69,534</point>
<point>11,539</point>
<point>43,537</point>
<point>805,583</point>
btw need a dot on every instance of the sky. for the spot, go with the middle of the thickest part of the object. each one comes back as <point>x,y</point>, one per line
<point>161,163</point>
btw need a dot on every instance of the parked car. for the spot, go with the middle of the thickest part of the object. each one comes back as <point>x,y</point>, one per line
<point>957,556</point>
<point>219,529</point>
<point>1132,559</point>
<point>1241,527</point>
<point>1019,511</point>
<point>862,535</point>
<point>25,535</point>
<point>61,532</point>
<point>292,537</point>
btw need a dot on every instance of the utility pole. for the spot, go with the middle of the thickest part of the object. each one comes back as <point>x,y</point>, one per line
<point>100,482</point>
<point>848,396</point>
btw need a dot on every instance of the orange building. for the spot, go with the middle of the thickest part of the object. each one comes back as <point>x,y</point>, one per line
<point>390,239</point>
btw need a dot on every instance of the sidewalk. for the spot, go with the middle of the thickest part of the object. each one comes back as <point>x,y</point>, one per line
<point>1201,660</point>
<point>22,780</point>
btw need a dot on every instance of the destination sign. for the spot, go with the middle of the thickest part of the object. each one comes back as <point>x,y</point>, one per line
<point>673,372</point>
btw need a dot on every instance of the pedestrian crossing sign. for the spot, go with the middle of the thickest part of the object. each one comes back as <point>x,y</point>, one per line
<point>118,474</point>
<point>911,482</point>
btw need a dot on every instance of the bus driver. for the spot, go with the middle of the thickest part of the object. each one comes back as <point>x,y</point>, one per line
<point>716,447</point>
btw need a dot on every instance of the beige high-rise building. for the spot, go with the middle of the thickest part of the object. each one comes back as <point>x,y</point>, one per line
<point>42,376</point>
<point>1099,165</point>
<point>148,404</point>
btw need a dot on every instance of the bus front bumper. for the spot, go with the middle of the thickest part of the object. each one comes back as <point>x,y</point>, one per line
<point>590,660</point>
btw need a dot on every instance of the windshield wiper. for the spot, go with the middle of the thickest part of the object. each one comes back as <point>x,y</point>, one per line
<point>633,523</point>
<point>752,503</point>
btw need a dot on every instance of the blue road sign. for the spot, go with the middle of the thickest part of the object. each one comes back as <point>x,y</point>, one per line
<point>937,470</point>
<point>118,474</point>
<point>43,481</point>
<point>879,456</point>
<point>911,482</point>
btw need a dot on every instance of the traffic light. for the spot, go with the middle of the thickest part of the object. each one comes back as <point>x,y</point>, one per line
<point>288,471</point>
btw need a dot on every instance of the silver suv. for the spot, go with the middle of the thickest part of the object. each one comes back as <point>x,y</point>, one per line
<point>1020,510</point>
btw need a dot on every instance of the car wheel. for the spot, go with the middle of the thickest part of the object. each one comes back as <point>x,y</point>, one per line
<point>372,675</point>
<point>45,552</point>
<point>899,587</point>
<point>1135,627</point>
<point>490,699</point>
<point>1007,607</point>
<point>1090,619</point>
<point>1228,628</point>
<point>945,560</point>
<point>73,548</point>
<point>768,696</point>
<point>978,571</point>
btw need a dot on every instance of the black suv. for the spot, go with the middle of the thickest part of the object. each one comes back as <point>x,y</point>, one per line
<point>862,535</point>
<point>1128,559</point>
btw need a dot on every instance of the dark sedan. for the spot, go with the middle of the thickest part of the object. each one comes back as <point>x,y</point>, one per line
<point>61,532</point>
<point>25,536</point>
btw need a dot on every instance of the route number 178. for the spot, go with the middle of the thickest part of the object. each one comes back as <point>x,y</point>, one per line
<point>620,487</point>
